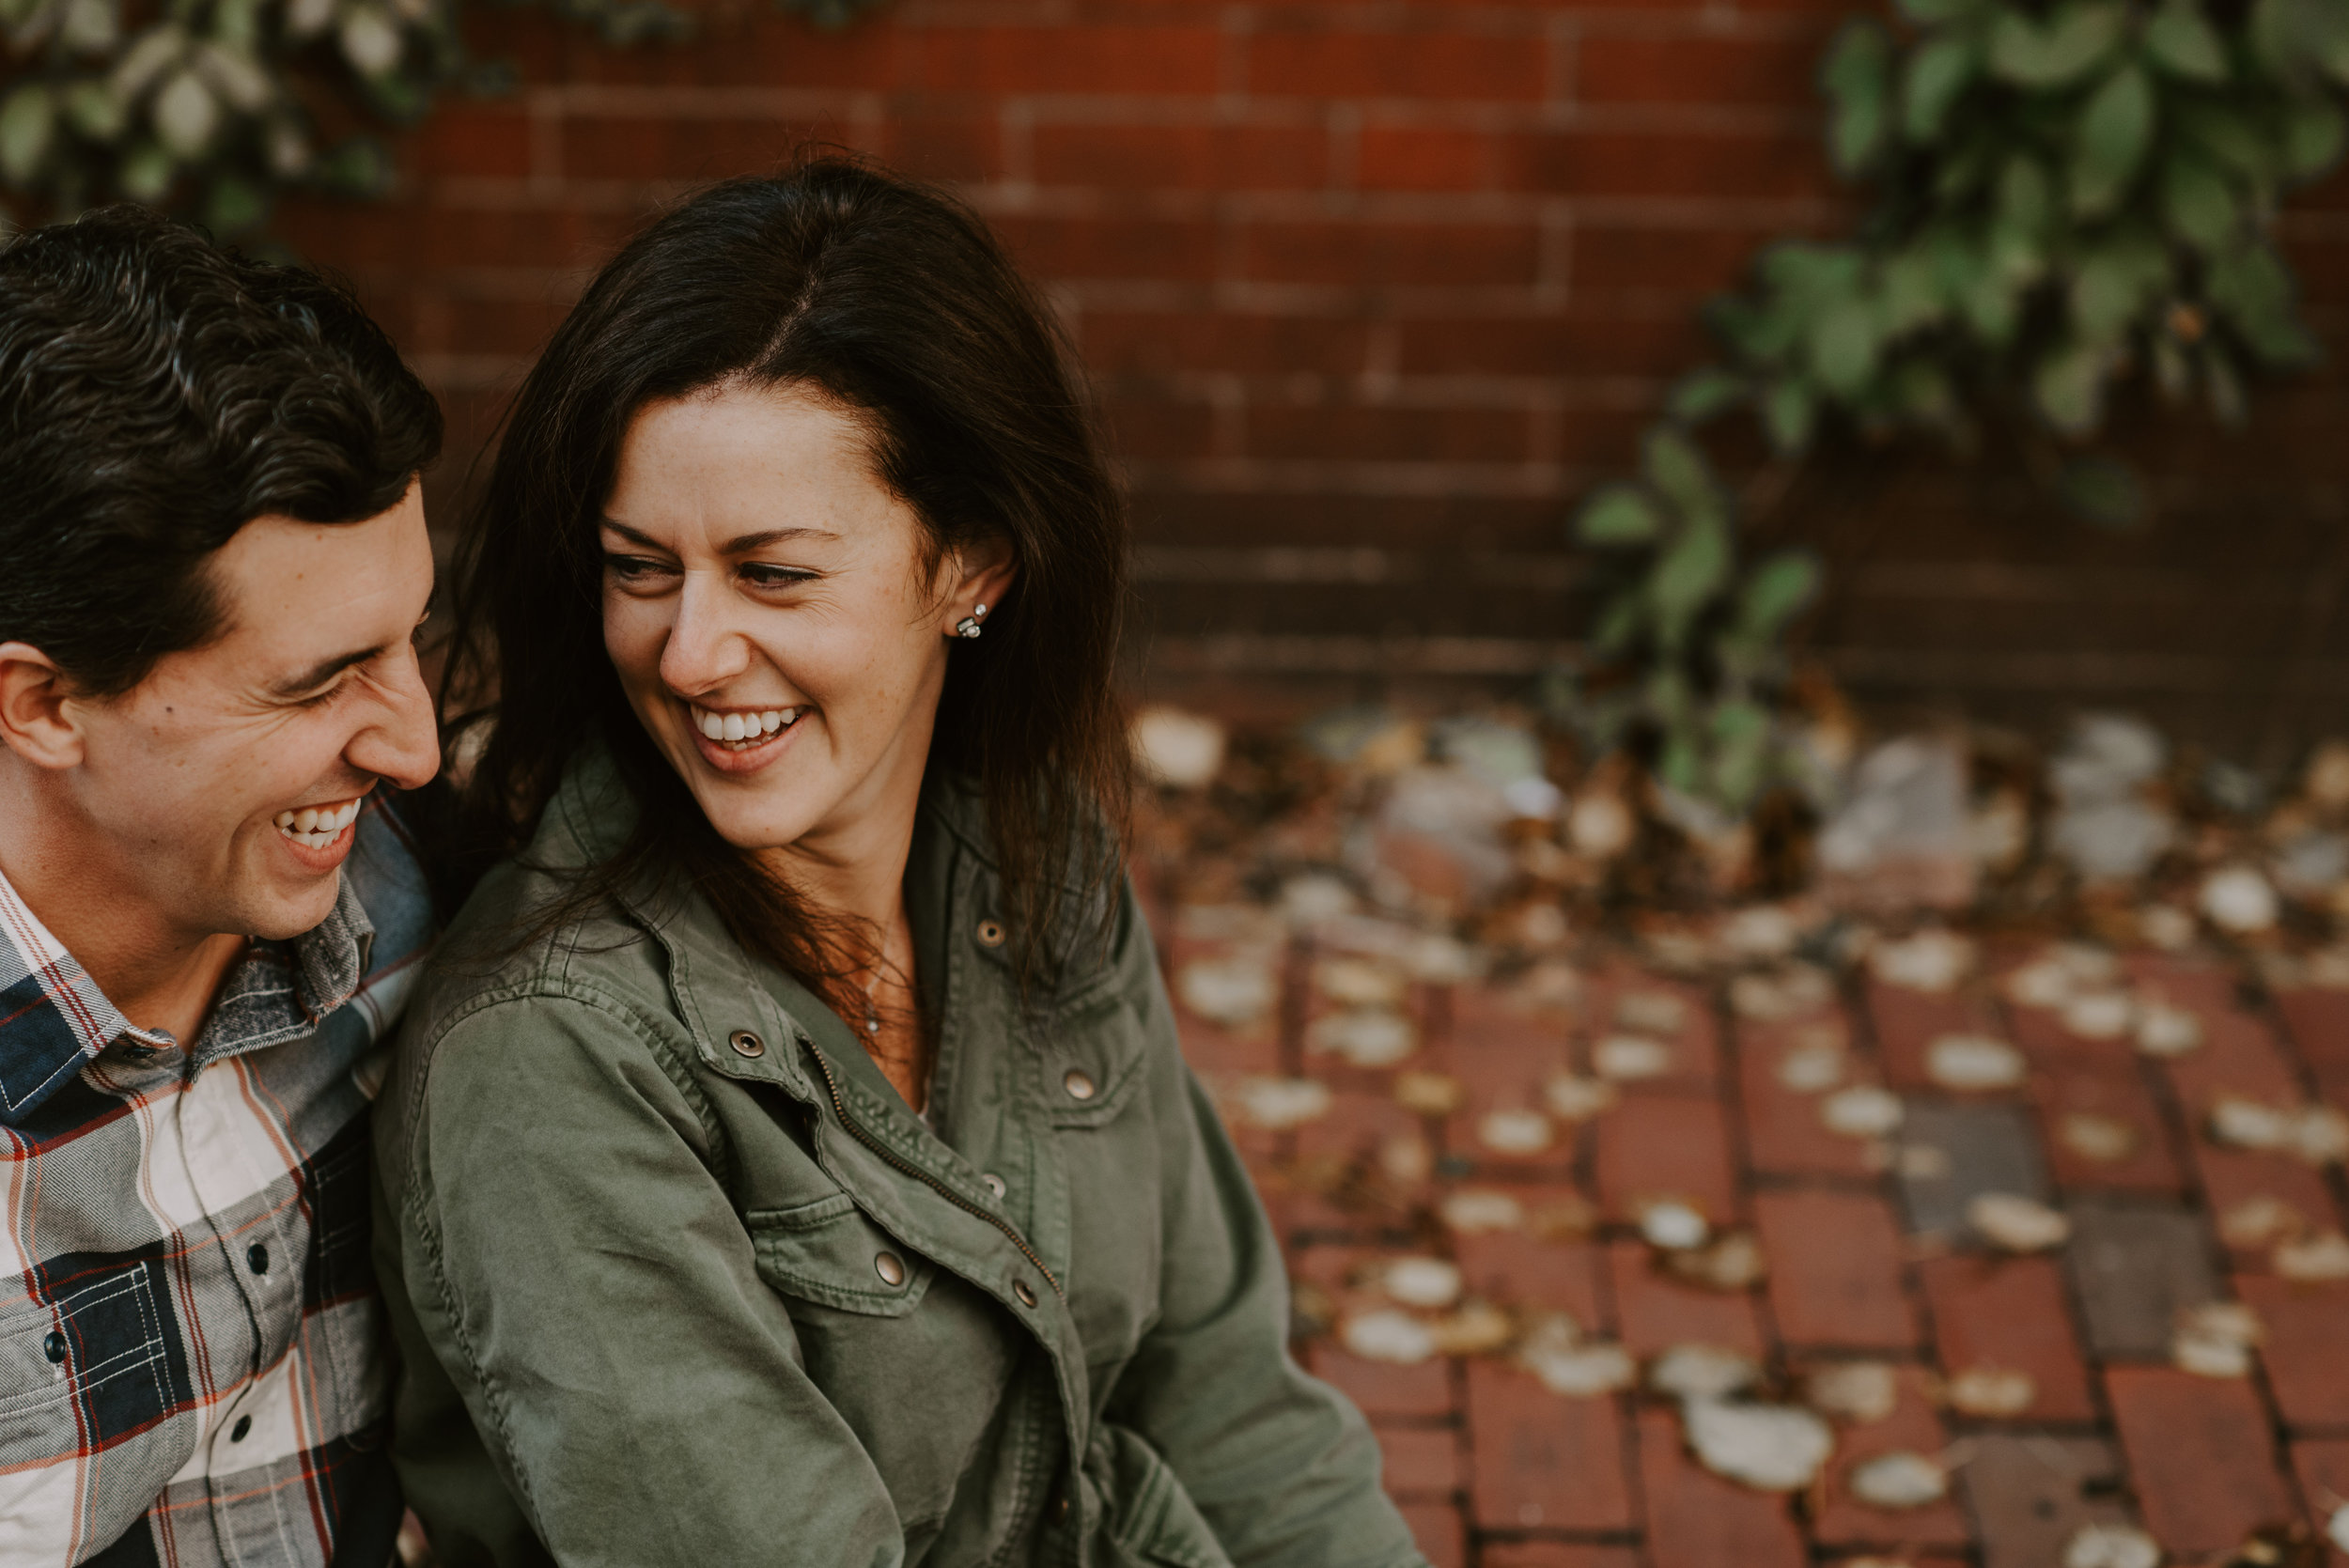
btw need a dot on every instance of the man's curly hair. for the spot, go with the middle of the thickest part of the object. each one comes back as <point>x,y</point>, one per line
<point>157,393</point>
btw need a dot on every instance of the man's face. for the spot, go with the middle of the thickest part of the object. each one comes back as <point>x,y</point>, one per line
<point>225,785</point>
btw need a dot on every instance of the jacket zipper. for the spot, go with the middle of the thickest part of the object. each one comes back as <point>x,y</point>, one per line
<point>840,1109</point>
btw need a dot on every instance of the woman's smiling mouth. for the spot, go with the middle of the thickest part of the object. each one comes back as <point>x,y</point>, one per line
<point>735,739</point>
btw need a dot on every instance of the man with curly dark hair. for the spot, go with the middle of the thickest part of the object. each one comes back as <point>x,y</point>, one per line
<point>213,565</point>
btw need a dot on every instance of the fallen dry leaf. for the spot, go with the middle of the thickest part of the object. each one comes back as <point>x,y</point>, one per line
<point>2311,1259</point>
<point>2016,1223</point>
<point>2105,1139</point>
<point>2166,1030</point>
<point>2337,1527</point>
<point>1862,1110</point>
<point>1406,1159</point>
<point>1730,1262</point>
<point>1421,1281</point>
<point>1701,1371</point>
<point>1673,1224</point>
<point>1515,1132</point>
<point>1932,959</point>
<point>2248,1124</point>
<point>1180,749</point>
<point>1770,1448</point>
<point>2099,1015</point>
<point>1993,1392</point>
<point>1973,1061</point>
<point>1574,1098</point>
<point>1624,1058</point>
<point>2046,983</point>
<point>1234,992</point>
<point>1356,981</point>
<point>1860,1392</point>
<point>1388,1335</point>
<point>1812,1069</point>
<point>2238,898</point>
<point>2261,1220</point>
<point>1364,1036</point>
<point>1477,1328</point>
<point>1428,1093</point>
<point>2216,1339</point>
<point>1476,1209</point>
<point>1651,1012</point>
<point>1899,1479</point>
<point>1554,1351</point>
<point>1279,1103</point>
<point>2111,1546</point>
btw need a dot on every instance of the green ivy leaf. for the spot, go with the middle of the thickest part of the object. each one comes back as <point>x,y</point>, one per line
<point>1741,741</point>
<point>1789,413</point>
<point>2069,388</point>
<point>2228,136</point>
<point>1931,13</point>
<point>2194,199</point>
<point>2183,44</point>
<point>2173,373</point>
<point>1702,393</point>
<point>2313,133</point>
<point>1938,72</point>
<point>2110,141</point>
<point>146,171</point>
<point>2105,492</point>
<point>93,110</point>
<point>1922,393</point>
<point>1910,294</point>
<point>2252,285</point>
<point>1677,466</point>
<point>1618,515</point>
<point>1777,591</point>
<point>235,206</point>
<point>1843,345</point>
<point>1686,575</point>
<point>2074,41</point>
<point>2224,388</point>
<point>1857,77</point>
<point>2026,196</point>
<point>2114,285</point>
<point>27,124</point>
<point>1618,626</point>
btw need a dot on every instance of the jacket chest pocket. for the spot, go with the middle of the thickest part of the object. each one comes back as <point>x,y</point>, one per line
<point>827,1252</point>
<point>1090,1060</point>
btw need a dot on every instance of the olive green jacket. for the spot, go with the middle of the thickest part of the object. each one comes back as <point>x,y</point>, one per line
<point>679,1279</point>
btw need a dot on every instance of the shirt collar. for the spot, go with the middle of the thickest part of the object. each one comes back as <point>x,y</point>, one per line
<point>54,1019</point>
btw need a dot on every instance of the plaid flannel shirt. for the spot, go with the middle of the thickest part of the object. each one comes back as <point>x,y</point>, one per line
<point>192,1357</point>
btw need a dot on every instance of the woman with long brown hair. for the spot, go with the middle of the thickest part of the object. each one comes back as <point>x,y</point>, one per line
<point>790,1159</point>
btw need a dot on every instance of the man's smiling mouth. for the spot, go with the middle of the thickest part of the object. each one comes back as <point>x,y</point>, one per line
<point>744,728</point>
<point>315,827</point>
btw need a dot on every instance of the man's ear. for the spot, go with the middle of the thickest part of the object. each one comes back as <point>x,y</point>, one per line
<point>980,572</point>
<point>35,720</point>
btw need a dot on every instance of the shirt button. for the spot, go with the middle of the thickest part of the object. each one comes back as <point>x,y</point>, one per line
<point>994,1183</point>
<point>892,1271</point>
<point>54,1346</point>
<point>236,1432</point>
<point>746,1043</point>
<point>991,933</point>
<point>1079,1083</point>
<point>257,1258</point>
<point>1026,1292</point>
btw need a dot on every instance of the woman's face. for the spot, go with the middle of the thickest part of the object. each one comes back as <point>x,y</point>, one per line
<point>767,608</point>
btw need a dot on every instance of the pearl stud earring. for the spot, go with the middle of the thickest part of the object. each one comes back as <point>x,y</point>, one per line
<point>969,626</point>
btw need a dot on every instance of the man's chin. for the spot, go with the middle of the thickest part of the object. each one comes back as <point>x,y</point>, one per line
<point>287,913</point>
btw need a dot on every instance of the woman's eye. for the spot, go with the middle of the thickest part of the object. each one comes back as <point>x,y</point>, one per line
<point>632,568</point>
<point>759,575</point>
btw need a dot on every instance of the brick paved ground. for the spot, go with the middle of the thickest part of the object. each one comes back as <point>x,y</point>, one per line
<point>1869,1251</point>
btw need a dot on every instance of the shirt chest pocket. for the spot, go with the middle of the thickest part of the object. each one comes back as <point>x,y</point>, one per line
<point>1091,1061</point>
<point>98,1362</point>
<point>826,1251</point>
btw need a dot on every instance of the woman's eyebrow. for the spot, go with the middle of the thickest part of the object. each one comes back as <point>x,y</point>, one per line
<point>742,544</point>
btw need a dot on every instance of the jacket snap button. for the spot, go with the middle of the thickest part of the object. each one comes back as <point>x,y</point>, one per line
<point>891,1272</point>
<point>746,1043</point>
<point>1060,1509</point>
<point>1026,1292</point>
<point>54,1346</point>
<point>991,933</point>
<point>1079,1084</point>
<point>994,1183</point>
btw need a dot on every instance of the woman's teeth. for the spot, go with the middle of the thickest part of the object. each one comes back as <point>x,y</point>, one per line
<point>738,732</point>
<point>317,827</point>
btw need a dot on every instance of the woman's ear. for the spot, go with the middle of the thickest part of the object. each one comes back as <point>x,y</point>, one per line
<point>979,575</point>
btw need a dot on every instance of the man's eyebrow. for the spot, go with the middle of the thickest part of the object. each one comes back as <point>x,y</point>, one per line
<point>742,544</point>
<point>319,674</point>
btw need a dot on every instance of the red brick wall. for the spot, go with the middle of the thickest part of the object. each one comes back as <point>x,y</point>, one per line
<point>1371,290</point>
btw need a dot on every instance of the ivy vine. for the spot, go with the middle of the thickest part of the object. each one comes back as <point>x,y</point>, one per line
<point>215,108</point>
<point>2063,195</point>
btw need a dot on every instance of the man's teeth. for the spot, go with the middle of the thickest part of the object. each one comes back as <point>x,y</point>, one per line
<point>318,826</point>
<point>744,730</point>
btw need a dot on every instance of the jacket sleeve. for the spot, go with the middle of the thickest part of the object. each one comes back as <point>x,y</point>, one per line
<point>571,1266</point>
<point>1284,1469</point>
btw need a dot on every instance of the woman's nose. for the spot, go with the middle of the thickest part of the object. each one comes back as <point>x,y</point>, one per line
<point>705,648</point>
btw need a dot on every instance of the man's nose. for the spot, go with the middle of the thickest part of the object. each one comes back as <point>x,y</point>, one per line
<point>403,745</point>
